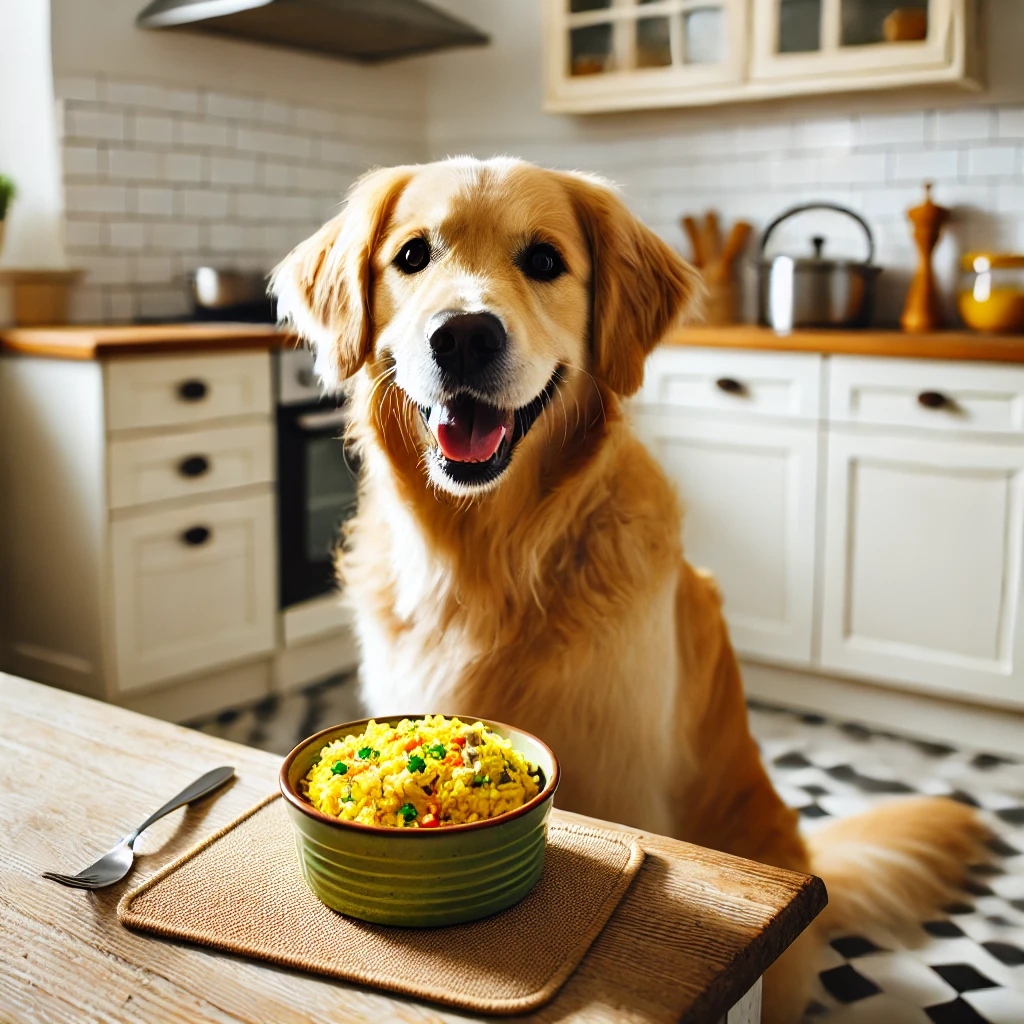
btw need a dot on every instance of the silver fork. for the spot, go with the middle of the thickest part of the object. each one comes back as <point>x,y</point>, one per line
<point>113,866</point>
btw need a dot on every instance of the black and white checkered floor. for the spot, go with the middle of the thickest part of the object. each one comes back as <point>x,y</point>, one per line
<point>968,964</point>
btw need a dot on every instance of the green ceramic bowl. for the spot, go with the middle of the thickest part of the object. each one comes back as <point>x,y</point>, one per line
<point>420,877</point>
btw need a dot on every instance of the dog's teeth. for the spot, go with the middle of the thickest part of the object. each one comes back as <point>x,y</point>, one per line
<point>434,419</point>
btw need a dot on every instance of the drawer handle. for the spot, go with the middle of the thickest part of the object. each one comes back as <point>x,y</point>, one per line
<point>196,535</point>
<point>192,390</point>
<point>933,400</point>
<point>194,465</point>
<point>731,386</point>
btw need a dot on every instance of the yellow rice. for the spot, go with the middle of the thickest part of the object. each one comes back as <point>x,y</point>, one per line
<point>426,773</point>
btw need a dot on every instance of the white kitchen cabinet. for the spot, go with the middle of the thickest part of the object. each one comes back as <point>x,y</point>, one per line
<point>603,55</point>
<point>828,45</point>
<point>194,587</point>
<point>749,490</point>
<point>922,563</point>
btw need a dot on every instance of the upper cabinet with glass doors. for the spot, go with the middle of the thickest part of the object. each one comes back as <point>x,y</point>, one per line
<point>628,54</point>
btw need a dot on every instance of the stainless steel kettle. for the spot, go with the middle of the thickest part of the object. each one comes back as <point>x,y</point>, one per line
<point>800,291</point>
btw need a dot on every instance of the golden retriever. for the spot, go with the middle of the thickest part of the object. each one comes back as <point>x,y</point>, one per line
<point>517,551</point>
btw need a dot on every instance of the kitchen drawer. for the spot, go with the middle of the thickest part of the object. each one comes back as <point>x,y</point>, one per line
<point>186,390</point>
<point>193,588</point>
<point>144,470</point>
<point>927,394</point>
<point>778,384</point>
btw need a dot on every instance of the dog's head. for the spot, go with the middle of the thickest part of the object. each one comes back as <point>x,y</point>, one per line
<point>485,287</point>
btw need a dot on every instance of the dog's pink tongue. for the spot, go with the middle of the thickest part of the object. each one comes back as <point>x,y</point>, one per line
<point>469,431</point>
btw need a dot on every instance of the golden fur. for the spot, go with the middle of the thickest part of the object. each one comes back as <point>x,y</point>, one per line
<point>559,599</point>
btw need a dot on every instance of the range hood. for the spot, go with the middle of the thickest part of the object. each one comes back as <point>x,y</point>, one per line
<point>362,30</point>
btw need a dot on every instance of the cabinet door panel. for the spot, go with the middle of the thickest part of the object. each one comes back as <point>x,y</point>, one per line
<point>749,494</point>
<point>923,564</point>
<point>193,588</point>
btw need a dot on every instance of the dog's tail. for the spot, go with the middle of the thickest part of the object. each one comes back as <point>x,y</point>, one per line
<point>897,863</point>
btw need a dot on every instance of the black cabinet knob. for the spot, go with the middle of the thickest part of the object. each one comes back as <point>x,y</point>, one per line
<point>194,465</point>
<point>730,385</point>
<point>933,399</point>
<point>192,390</point>
<point>196,535</point>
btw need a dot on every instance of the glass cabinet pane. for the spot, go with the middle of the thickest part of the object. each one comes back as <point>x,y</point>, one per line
<point>590,50</point>
<point>799,26</point>
<point>704,35</point>
<point>883,21</point>
<point>653,43</point>
<point>578,6</point>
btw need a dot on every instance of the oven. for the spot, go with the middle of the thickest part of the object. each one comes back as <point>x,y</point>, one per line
<point>317,479</point>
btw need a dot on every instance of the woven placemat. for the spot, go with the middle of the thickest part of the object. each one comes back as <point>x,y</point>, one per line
<point>241,891</point>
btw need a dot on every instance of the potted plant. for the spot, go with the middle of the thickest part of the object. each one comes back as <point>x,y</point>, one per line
<point>7,192</point>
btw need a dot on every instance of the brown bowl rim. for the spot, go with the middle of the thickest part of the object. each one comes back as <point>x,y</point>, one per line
<point>289,793</point>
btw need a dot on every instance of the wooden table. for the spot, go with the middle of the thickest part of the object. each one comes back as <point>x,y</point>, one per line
<point>76,774</point>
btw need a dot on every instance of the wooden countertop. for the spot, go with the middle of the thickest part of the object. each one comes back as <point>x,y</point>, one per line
<point>957,345</point>
<point>140,339</point>
<point>133,340</point>
<point>64,957</point>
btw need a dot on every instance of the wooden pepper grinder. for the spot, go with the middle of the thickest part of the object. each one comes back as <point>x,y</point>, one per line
<point>922,312</point>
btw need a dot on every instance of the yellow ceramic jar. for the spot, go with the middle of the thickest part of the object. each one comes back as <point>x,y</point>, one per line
<point>992,292</point>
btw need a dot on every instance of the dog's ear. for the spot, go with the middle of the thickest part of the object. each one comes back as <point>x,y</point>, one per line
<point>641,287</point>
<point>324,286</point>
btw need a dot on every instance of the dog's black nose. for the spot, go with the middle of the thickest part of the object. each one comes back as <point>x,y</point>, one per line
<point>464,343</point>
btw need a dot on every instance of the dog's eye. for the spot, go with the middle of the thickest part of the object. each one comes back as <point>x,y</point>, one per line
<point>542,262</point>
<point>413,256</point>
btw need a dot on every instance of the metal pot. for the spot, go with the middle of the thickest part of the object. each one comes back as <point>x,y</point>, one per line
<point>814,291</point>
<point>231,295</point>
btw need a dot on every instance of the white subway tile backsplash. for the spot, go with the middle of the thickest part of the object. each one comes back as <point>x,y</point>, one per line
<point>125,235</point>
<point>105,268</point>
<point>132,164</point>
<point>990,162</point>
<point>892,129</point>
<point>154,201</point>
<point>77,87</point>
<point>252,205</point>
<point>122,303</point>
<point>231,107</point>
<point>278,175</point>
<point>96,198</point>
<point>275,143</point>
<point>1010,122</point>
<point>227,237</point>
<point>83,234</point>
<point>81,161</point>
<point>152,269</point>
<point>320,179</point>
<point>86,305</point>
<point>161,179</point>
<point>964,125</point>
<point>924,165</point>
<point>196,132</point>
<point>184,168</point>
<point>230,170</point>
<point>832,134</point>
<point>157,129</point>
<point>205,204</point>
<point>852,168</point>
<point>173,236</point>
<point>169,303</point>
<point>90,122</point>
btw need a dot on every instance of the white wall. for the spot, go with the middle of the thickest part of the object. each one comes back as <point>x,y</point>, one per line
<point>28,139</point>
<point>869,151</point>
<point>181,149</point>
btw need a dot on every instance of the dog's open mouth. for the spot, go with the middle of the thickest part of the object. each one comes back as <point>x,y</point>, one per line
<point>475,440</point>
